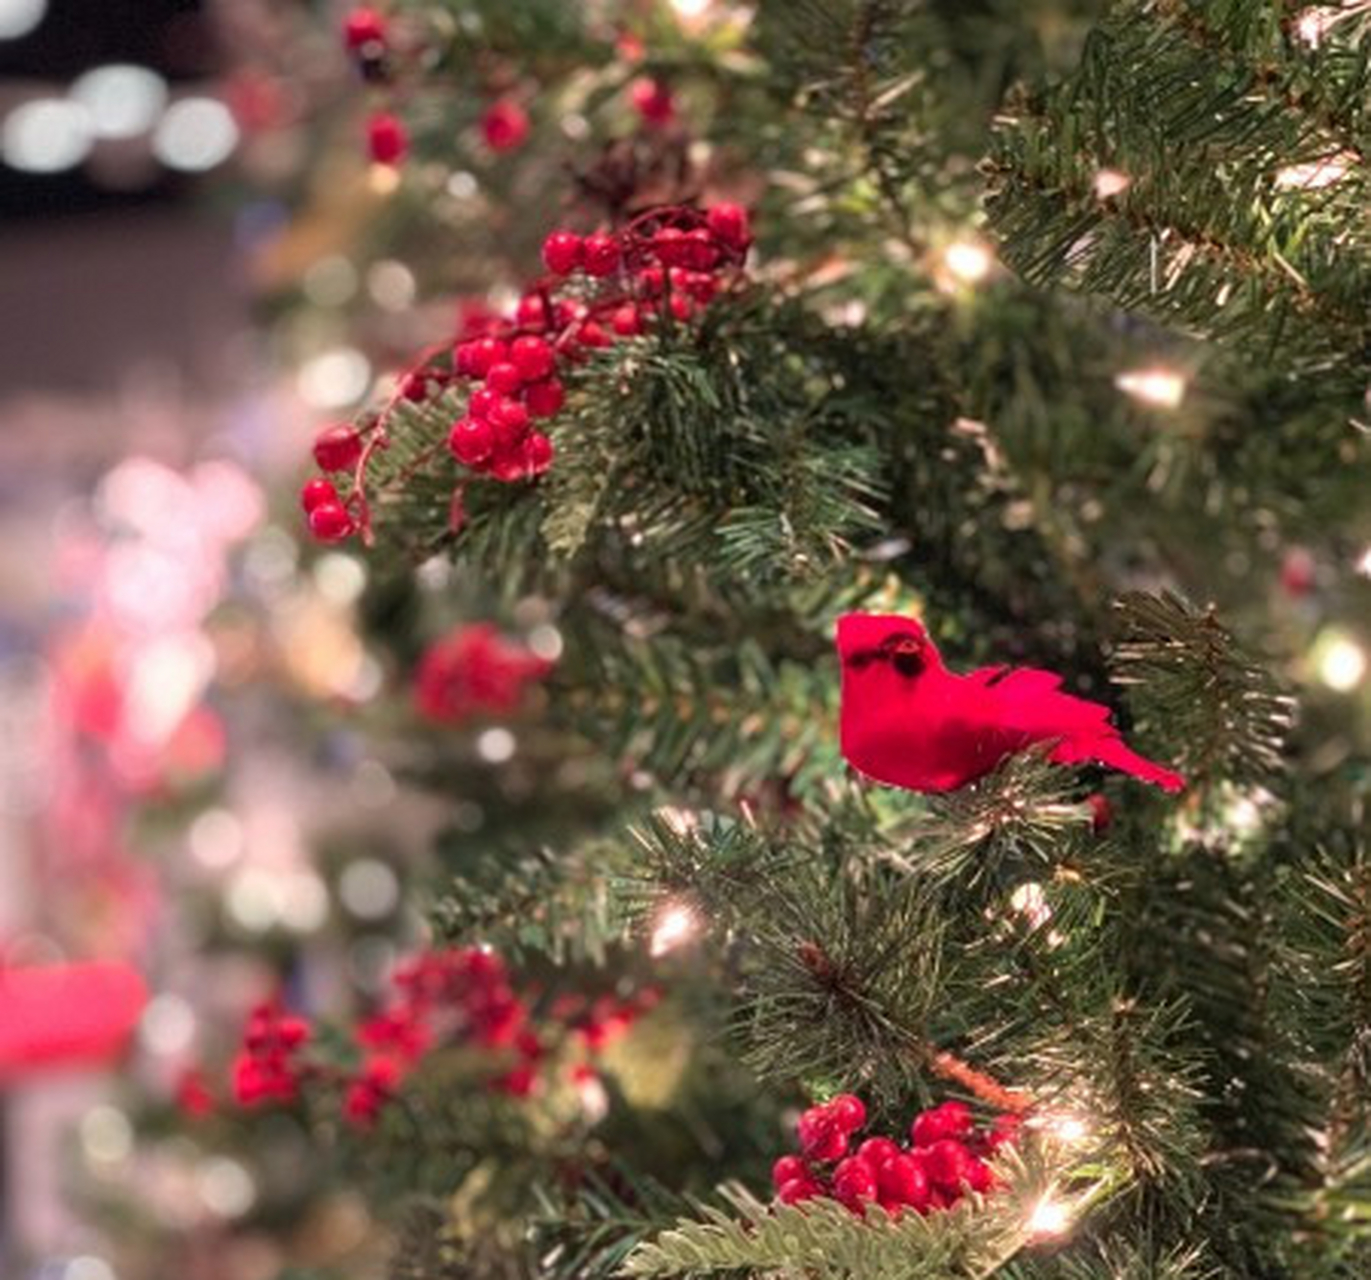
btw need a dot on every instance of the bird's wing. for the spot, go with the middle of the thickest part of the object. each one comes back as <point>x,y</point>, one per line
<point>987,675</point>
<point>1032,701</point>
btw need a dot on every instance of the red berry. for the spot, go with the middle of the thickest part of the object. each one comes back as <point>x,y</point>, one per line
<point>950,1120</point>
<point>730,223</point>
<point>562,252</point>
<point>821,1137</point>
<point>601,255</point>
<point>471,441</point>
<point>876,1151</point>
<point>787,1169</point>
<point>318,491</point>
<point>651,280</point>
<point>681,306</point>
<point>903,1180</point>
<point>979,1175</point>
<point>533,358</point>
<point>848,1110</point>
<point>652,100</point>
<point>947,1163</point>
<point>477,357</point>
<point>545,399</point>
<point>531,311</point>
<point>669,245</point>
<point>699,250</point>
<point>798,1189</point>
<point>508,467</point>
<point>854,1181</point>
<point>338,448</point>
<point>414,387</point>
<point>700,285</point>
<point>537,453</point>
<point>1004,1132</point>
<point>626,321</point>
<point>330,522</point>
<point>387,139</point>
<point>592,334</point>
<point>1101,812</point>
<point>509,421</point>
<point>484,402</point>
<point>504,378</point>
<point>505,125</point>
<point>363,27</point>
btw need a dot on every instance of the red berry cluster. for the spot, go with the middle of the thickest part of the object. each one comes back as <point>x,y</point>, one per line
<point>472,671</point>
<point>945,1158</point>
<point>459,996</point>
<point>268,1067</point>
<point>661,268</point>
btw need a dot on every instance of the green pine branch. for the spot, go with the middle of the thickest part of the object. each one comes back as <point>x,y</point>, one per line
<point>1199,114</point>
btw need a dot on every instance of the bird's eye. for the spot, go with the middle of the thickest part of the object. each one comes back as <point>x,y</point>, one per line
<point>905,652</point>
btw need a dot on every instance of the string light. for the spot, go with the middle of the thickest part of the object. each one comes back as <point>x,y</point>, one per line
<point>674,926</point>
<point>1067,1128</point>
<point>1029,900</point>
<point>1341,663</point>
<point>1111,182</point>
<point>1363,566</point>
<point>1049,1217</point>
<point>1313,24</point>
<point>1159,386</point>
<point>968,261</point>
<point>1315,174</point>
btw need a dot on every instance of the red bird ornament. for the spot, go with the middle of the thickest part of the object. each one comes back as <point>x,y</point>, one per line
<point>910,722</point>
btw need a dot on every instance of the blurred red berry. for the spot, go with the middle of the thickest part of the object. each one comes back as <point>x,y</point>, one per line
<point>562,252</point>
<point>387,139</point>
<point>505,125</point>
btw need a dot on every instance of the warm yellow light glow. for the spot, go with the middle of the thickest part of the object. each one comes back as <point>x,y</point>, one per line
<point>1164,388</point>
<point>1364,563</point>
<point>1342,664</point>
<point>1067,1128</point>
<point>676,925</point>
<point>383,179</point>
<point>691,8</point>
<point>969,261</point>
<point>1048,1218</point>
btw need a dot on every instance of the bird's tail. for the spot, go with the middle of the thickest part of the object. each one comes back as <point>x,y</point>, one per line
<point>1117,754</point>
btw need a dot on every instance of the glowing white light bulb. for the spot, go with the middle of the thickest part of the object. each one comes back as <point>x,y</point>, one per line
<point>691,8</point>
<point>1048,1218</point>
<point>592,1095</point>
<point>1363,566</point>
<point>1315,174</point>
<point>968,260</point>
<point>1342,664</point>
<point>1029,900</point>
<point>1313,24</point>
<point>1111,182</point>
<point>676,924</point>
<point>1068,1128</point>
<point>1164,388</point>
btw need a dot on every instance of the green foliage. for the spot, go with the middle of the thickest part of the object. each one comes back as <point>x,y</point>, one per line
<point>1203,106</point>
<point>1218,710</point>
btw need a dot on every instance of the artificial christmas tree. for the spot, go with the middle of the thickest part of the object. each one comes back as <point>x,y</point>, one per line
<point>1134,1025</point>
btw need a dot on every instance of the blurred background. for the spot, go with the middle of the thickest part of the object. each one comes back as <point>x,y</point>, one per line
<point>154,617</point>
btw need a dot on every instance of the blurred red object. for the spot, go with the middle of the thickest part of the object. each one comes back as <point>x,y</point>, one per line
<point>69,1015</point>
